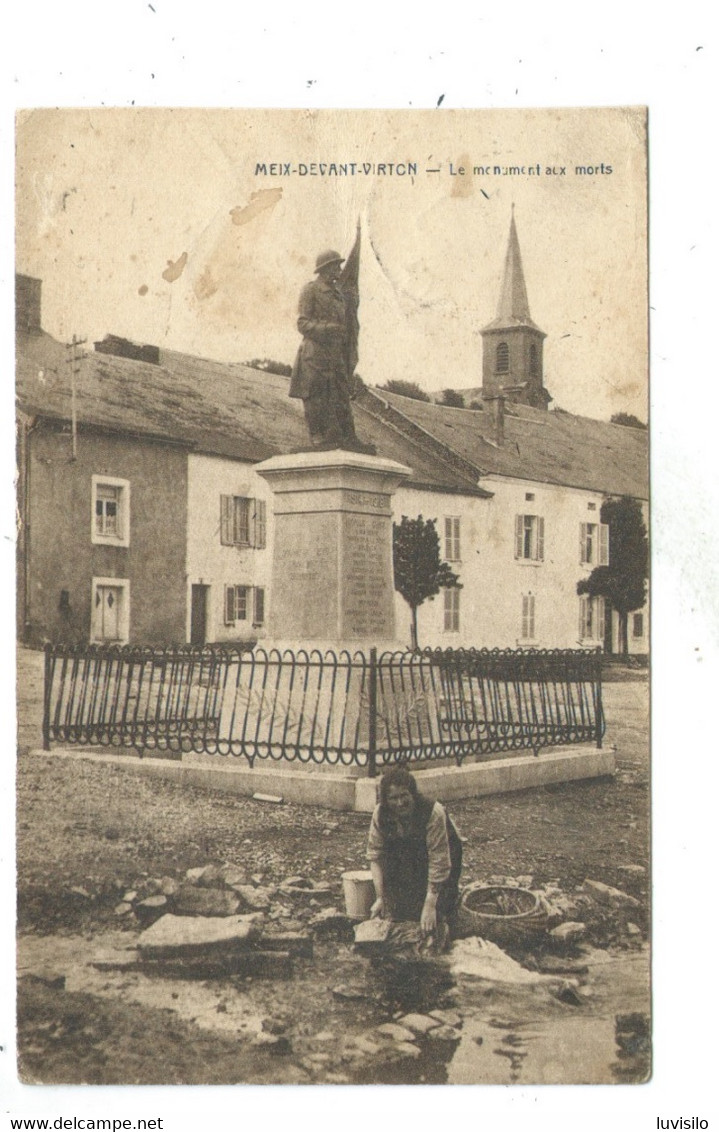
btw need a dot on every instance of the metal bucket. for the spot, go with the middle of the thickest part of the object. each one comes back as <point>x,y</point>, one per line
<point>359,893</point>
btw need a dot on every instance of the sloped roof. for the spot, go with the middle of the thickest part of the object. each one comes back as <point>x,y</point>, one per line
<point>219,408</point>
<point>547,447</point>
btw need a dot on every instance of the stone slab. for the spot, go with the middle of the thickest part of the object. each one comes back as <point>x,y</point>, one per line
<point>346,791</point>
<point>178,936</point>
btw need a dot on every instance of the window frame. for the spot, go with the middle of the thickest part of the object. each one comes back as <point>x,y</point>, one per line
<point>501,357</point>
<point>100,538</point>
<point>536,537</point>
<point>243,521</point>
<point>596,551</point>
<point>231,616</point>
<point>592,618</point>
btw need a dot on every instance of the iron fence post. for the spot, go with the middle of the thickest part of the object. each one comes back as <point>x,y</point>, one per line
<point>46,700</point>
<point>372,742</point>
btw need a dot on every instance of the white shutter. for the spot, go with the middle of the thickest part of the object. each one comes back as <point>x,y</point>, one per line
<point>259,606</point>
<point>540,539</point>
<point>582,543</point>
<point>601,618</point>
<point>518,536</point>
<point>603,544</point>
<point>229,604</point>
<point>260,534</point>
<point>226,520</point>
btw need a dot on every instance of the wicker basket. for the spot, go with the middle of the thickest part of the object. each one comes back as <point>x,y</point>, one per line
<point>502,913</point>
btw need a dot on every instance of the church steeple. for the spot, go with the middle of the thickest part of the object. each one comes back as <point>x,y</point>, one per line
<point>513,302</point>
<point>513,343</point>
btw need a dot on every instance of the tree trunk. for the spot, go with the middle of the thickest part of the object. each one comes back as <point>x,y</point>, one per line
<point>624,635</point>
<point>414,646</point>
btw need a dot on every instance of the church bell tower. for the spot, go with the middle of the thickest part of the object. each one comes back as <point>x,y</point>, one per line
<point>513,345</point>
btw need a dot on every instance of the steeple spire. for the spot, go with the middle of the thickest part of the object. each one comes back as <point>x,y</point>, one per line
<point>512,364</point>
<point>513,306</point>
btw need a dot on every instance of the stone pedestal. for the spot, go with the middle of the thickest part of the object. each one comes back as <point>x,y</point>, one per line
<point>332,577</point>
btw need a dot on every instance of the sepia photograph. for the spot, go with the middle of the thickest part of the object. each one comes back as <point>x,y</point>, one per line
<point>333,597</point>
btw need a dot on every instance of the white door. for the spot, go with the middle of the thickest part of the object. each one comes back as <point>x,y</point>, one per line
<point>108,600</point>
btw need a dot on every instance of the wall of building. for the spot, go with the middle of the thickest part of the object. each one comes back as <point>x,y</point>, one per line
<point>63,560</point>
<point>211,564</point>
<point>495,582</point>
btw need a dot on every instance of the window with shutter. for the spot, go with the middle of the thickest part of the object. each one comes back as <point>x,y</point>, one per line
<point>529,537</point>
<point>239,519</point>
<point>226,510</point>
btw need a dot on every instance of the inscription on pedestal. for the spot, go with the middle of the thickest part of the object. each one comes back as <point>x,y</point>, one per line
<point>367,605</point>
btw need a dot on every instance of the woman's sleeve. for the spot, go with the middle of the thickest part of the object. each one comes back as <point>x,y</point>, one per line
<point>375,843</point>
<point>438,847</point>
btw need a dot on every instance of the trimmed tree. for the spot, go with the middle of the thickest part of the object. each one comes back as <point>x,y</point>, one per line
<point>629,420</point>
<point>452,399</point>
<point>419,572</point>
<point>623,583</point>
<point>405,389</point>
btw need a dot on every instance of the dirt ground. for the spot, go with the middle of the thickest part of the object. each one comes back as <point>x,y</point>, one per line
<point>88,833</point>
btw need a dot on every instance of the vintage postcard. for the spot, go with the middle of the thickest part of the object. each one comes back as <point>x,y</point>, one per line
<point>333,597</point>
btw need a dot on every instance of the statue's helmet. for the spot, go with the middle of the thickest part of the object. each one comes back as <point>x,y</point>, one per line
<point>326,258</point>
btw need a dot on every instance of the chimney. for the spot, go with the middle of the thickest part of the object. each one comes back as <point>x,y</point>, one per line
<point>498,418</point>
<point>28,304</point>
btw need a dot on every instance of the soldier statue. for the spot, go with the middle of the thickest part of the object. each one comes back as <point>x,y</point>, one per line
<point>323,372</point>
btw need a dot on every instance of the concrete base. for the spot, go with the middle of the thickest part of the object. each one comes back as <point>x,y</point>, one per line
<point>343,792</point>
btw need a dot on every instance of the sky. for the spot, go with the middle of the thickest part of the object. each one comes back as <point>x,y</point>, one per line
<point>158,226</point>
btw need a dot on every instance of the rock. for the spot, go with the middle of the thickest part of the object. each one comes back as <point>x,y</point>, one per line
<point>169,886</point>
<point>447,1017</point>
<point>632,929</point>
<point>418,1023</point>
<point>367,1044</point>
<point>76,890</point>
<point>611,897</point>
<point>257,878</point>
<point>568,933</point>
<point>331,920</point>
<point>354,992</point>
<point>296,882</point>
<point>324,1036</point>
<point>48,978</point>
<point>276,798</point>
<point>149,910</point>
<point>232,875</point>
<point>309,889</point>
<point>112,960</point>
<point>273,1043</point>
<point>258,899</point>
<point>193,875</point>
<point>191,901</point>
<point>634,870</point>
<point>299,944</point>
<point>394,1031</point>
<point>482,959</point>
<point>525,881</point>
<point>212,876</point>
<point>129,897</point>
<point>276,1025</point>
<point>568,995</point>
<point>123,908</point>
<point>409,1049</point>
<point>371,935</point>
<point>186,936</point>
<point>554,966</point>
<point>444,1034</point>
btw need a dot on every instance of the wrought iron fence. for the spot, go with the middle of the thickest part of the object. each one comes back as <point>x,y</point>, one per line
<point>332,709</point>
